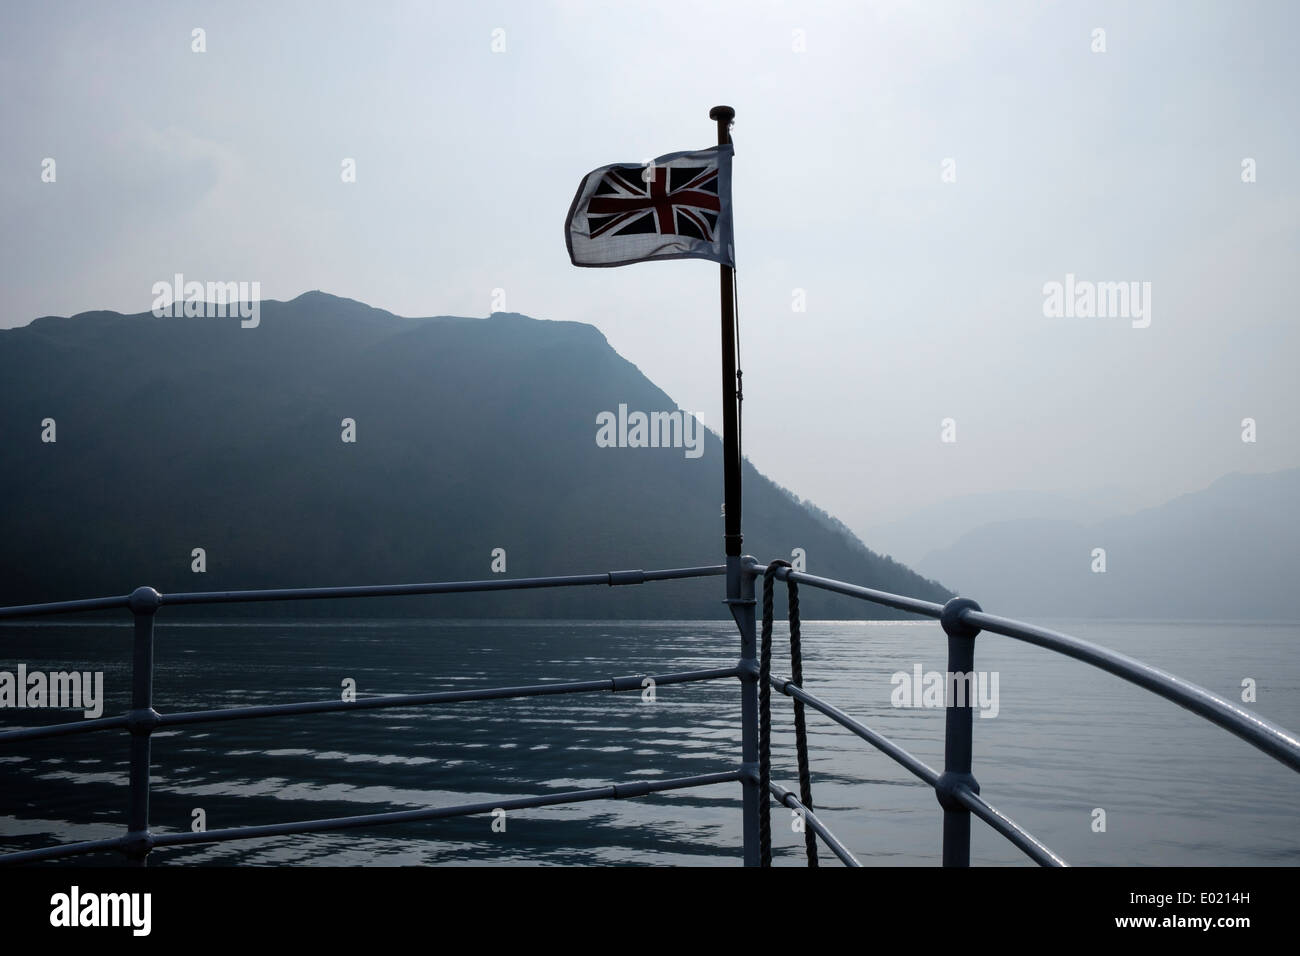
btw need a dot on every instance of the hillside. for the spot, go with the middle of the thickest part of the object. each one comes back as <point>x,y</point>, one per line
<point>471,434</point>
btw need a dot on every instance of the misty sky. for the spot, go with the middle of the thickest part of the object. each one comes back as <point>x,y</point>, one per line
<point>924,297</point>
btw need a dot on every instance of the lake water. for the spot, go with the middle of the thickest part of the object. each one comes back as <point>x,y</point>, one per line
<point>1067,739</point>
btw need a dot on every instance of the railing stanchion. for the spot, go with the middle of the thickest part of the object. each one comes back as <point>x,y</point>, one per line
<point>141,722</point>
<point>959,687</point>
<point>741,582</point>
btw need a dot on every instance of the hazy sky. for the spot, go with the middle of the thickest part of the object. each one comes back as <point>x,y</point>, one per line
<point>924,298</point>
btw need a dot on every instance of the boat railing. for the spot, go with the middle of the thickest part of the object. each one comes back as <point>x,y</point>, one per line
<point>956,788</point>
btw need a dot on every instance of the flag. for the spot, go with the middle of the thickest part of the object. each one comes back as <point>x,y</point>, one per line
<point>677,206</point>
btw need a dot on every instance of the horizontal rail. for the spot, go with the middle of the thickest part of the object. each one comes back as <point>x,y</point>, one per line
<point>614,791</point>
<point>1017,835</point>
<point>65,607</point>
<point>1022,838</point>
<point>611,578</point>
<point>613,684</point>
<point>886,746</point>
<point>65,729</point>
<point>1276,741</point>
<point>898,601</point>
<point>155,720</point>
<point>787,798</point>
<point>64,850</point>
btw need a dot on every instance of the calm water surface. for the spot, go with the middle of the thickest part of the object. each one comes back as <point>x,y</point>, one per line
<point>1067,739</point>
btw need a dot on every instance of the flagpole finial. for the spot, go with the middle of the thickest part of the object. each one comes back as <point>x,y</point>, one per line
<point>723,115</point>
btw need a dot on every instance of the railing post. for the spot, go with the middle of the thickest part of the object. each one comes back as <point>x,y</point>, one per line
<point>741,582</point>
<point>957,743</point>
<point>141,721</point>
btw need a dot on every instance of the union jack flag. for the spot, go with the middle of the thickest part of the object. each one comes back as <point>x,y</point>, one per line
<point>677,206</point>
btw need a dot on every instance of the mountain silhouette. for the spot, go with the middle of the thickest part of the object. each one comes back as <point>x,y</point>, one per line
<point>173,434</point>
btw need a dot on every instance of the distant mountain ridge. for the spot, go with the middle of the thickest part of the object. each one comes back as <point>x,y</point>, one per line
<point>913,537</point>
<point>470,435</point>
<point>1229,552</point>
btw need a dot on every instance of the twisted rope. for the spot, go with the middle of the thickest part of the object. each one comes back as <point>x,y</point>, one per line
<point>800,728</point>
<point>765,718</point>
<point>765,725</point>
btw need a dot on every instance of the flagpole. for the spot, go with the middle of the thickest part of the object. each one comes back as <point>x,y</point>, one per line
<point>740,586</point>
<point>732,537</point>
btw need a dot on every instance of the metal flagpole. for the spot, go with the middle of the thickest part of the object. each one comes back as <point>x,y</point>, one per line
<point>730,446</point>
<point>740,586</point>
